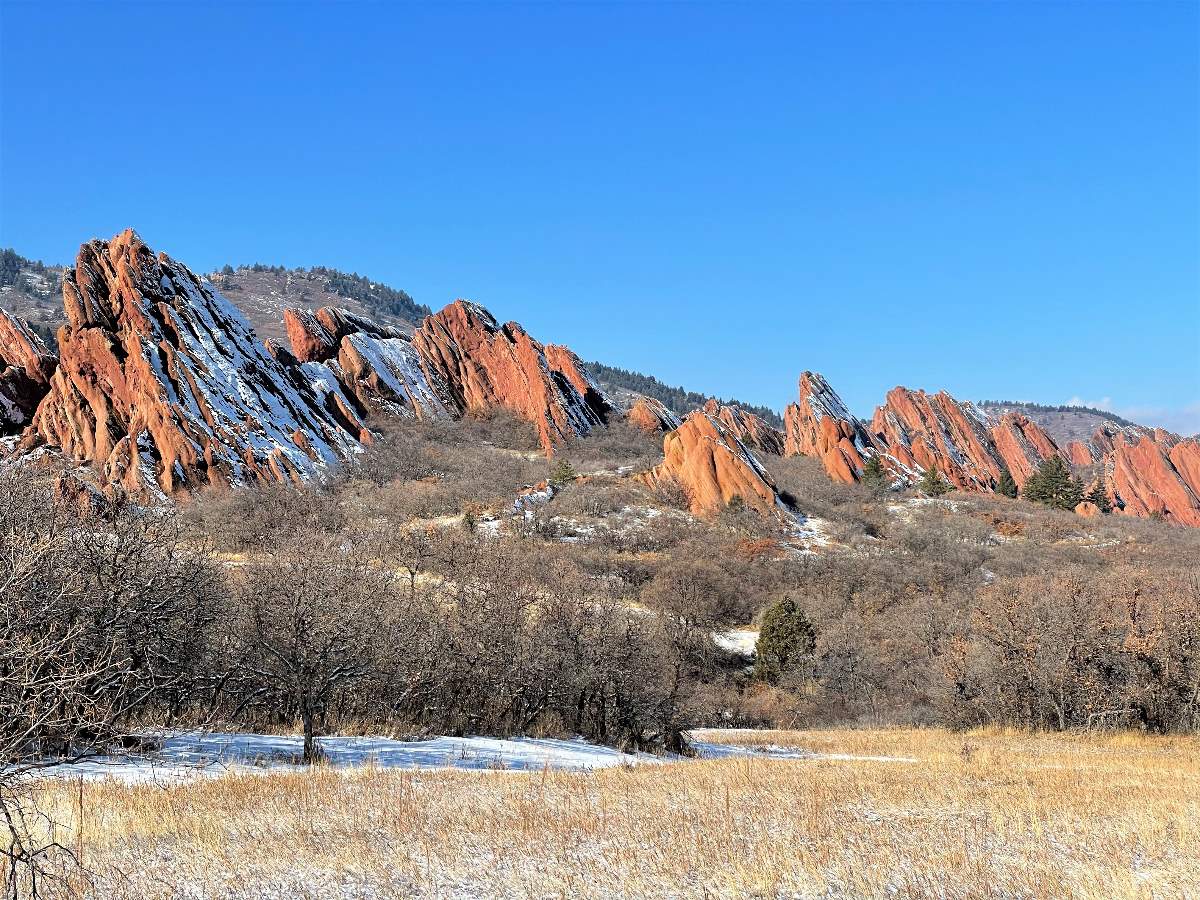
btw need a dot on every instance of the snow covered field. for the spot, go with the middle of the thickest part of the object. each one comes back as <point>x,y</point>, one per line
<point>207,754</point>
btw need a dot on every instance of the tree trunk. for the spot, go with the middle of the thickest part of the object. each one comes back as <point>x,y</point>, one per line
<point>310,743</point>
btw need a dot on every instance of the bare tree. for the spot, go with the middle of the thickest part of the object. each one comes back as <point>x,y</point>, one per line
<point>308,621</point>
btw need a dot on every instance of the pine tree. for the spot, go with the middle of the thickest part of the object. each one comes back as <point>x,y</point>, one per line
<point>1099,495</point>
<point>874,477</point>
<point>1006,486</point>
<point>933,484</point>
<point>562,472</point>
<point>785,639</point>
<point>1052,485</point>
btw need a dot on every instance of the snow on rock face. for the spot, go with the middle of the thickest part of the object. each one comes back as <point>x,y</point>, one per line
<point>563,359</point>
<point>821,426</point>
<point>26,367</point>
<point>936,431</point>
<point>747,427</point>
<point>485,365</point>
<point>375,366</point>
<point>713,467</point>
<point>317,336</point>
<point>162,385</point>
<point>911,432</point>
<point>652,415</point>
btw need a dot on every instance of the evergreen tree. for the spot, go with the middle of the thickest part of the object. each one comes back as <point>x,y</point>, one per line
<point>1052,485</point>
<point>933,484</point>
<point>874,477</point>
<point>1099,495</point>
<point>562,472</point>
<point>1006,486</point>
<point>785,640</point>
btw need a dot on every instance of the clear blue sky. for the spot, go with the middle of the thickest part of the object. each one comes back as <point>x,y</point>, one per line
<point>996,199</point>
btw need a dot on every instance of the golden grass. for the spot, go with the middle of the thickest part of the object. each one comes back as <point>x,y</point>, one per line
<point>981,814</point>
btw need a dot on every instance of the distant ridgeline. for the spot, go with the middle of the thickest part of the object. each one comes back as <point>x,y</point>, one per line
<point>15,271</point>
<point>378,297</point>
<point>677,399</point>
<point>1061,408</point>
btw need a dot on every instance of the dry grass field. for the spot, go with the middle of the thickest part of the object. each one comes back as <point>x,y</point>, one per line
<point>980,814</point>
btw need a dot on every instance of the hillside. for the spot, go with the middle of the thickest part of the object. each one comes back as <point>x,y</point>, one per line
<point>677,399</point>
<point>1063,423</point>
<point>31,290</point>
<point>262,292</point>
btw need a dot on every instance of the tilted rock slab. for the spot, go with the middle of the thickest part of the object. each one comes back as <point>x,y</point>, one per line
<point>748,428</point>
<point>651,415</point>
<point>26,367</point>
<point>713,467</point>
<point>162,386</point>
<point>821,426</point>
<point>485,365</point>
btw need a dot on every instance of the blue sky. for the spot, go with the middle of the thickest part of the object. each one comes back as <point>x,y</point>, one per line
<point>996,199</point>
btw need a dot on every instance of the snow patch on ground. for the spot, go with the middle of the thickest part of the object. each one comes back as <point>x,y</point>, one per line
<point>741,641</point>
<point>194,754</point>
<point>211,754</point>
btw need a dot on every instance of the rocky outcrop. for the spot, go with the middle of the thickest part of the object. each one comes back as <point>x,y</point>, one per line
<point>1087,510</point>
<point>821,426</point>
<point>375,366</point>
<point>485,365</point>
<point>936,431</point>
<point>563,360</point>
<point>748,428</point>
<point>162,385</point>
<point>913,431</point>
<point>1156,475</point>
<point>713,467</point>
<point>1148,471</point>
<point>1021,445</point>
<point>317,336</point>
<point>652,415</point>
<point>26,367</point>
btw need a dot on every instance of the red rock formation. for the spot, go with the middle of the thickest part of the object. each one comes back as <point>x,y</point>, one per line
<point>375,366</point>
<point>1021,445</point>
<point>936,431</point>
<point>1148,471</point>
<point>563,360</point>
<point>26,367</point>
<point>161,384</point>
<point>748,428</point>
<point>1152,477</point>
<point>713,467</point>
<point>1079,454</point>
<point>652,415</point>
<point>317,336</point>
<point>485,366</point>
<point>821,426</point>
<point>1087,510</point>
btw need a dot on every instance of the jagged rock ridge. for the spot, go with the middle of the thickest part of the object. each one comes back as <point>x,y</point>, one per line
<point>748,428</point>
<point>820,425</point>
<point>486,365</point>
<point>1148,471</point>
<point>162,386</point>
